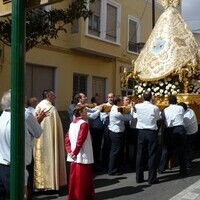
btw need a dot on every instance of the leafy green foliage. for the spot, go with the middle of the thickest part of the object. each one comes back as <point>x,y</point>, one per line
<point>42,25</point>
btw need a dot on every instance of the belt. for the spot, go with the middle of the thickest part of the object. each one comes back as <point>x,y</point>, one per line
<point>3,165</point>
<point>116,132</point>
<point>146,129</point>
<point>179,126</point>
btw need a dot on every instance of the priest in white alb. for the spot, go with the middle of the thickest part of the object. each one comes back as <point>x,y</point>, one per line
<point>49,152</point>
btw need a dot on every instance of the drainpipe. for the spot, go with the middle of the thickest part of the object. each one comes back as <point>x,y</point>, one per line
<point>115,75</point>
<point>153,13</point>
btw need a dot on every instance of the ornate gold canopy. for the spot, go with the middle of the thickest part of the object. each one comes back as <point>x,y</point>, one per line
<point>170,49</point>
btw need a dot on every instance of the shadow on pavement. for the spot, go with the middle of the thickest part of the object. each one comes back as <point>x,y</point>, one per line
<point>173,174</point>
<point>119,192</point>
<point>103,182</point>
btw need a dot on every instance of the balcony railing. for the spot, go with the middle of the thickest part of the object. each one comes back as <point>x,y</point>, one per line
<point>135,47</point>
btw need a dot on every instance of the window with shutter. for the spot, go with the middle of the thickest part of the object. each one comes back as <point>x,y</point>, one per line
<point>104,23</point>
<point>133,34</point>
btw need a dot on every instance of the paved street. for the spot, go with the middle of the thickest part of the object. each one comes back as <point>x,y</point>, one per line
<point>124,187</point>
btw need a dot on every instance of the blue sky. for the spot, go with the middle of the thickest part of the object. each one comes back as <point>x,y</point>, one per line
<point>191,14</point>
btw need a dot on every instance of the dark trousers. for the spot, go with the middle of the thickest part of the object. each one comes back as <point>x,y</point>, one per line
<point>125,153</point>
<point>189,142</point>
<point>133,139</point>
<point>30,179</point>
<point>115,152</point>
<point>147,139</point>
<point>97,135</point>
<point>174,137</point>
<point>106,147</point>
<point>4,182</point>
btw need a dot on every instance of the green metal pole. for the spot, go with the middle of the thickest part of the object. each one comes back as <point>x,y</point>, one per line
<point>17,100</point>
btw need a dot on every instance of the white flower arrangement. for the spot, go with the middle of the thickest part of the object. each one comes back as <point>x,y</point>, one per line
<point>194,84</point>
<point>161,88</point>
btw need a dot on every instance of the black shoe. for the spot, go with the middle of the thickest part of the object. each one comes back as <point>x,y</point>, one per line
<point>183,174</point>
<point>140,181</point>
<point>115,174</point>
<point>154,182</point>
<point>97,169</point>
<point>189,164</point>
<point>160,172</point>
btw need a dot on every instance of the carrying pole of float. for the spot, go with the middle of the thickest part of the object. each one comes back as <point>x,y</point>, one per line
<point>17,100</point>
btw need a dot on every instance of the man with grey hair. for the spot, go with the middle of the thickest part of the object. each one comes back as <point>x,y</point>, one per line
<point>5,146</point>
<point>32,130</point>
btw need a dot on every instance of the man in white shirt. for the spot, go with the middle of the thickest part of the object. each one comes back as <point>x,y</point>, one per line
<point>5,145</point>
<point>174,135</point>
<point>116,130</point>
<point>191,126</point>
<point>70,110</point>
<point>32,130</point>
<point>104,116</point>
<point>32,102</point>
<point>147,118</point>
<point>92,113</point>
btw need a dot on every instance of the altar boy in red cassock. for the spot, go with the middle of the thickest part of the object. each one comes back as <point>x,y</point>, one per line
<point>79,148</point>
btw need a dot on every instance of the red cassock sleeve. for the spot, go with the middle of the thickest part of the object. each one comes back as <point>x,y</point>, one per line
<point>67,143</point>
<point>83,133</point>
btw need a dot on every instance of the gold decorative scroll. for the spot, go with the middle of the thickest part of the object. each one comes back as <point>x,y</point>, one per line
<point>170,47</point>
<point>189,98</point>
<point>161,102</point>
<point>192,100</point>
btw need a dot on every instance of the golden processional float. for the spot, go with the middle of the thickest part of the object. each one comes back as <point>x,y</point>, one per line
<point>169,63</point>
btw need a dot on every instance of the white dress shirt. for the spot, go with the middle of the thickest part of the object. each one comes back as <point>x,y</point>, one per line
<point>147,115</point>
<point>70,111</point>
<point>32,130</point>
<point>92,113</point>
<point>117,120</point>
<point>105,116</point>
<point>31,109</point>
<point>5,138</point>
<point>190,122</point>
<point>173,115</point>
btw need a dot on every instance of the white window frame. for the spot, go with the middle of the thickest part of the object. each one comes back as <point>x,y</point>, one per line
<point>137,31</point>
<point>103,17</point>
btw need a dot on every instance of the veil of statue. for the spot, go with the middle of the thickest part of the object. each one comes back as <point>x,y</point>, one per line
<point>170,49</point>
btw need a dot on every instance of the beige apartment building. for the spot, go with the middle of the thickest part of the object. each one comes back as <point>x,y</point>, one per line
<point>91,56</point>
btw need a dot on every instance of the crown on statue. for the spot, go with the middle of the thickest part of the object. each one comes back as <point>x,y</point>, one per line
<point>169,3</point>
